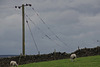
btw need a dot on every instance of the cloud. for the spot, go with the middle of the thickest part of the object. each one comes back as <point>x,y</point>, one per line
<point>76,22</point>
<point>86,6</point>
<point>91,21</point>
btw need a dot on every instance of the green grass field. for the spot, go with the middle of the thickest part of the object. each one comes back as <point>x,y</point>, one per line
<point>91,61</point>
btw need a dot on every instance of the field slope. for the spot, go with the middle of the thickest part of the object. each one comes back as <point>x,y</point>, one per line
<point>91,61</point>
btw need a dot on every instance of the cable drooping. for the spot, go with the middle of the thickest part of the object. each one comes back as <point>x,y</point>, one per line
<point>46,35</point>
<point>49,27</point>
<point>32,37</point>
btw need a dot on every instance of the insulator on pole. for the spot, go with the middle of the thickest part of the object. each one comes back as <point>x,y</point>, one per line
<point>15,6</point>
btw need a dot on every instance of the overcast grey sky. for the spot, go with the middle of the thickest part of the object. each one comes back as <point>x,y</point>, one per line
<point>75,22</point>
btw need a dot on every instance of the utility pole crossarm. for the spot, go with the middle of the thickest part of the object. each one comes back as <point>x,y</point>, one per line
<point>23,26</point>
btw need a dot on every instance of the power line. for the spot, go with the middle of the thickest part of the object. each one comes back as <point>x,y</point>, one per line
<point>34,24</point>
<point>43,32</point>
<point>4,7</point>
<point>32,37</point>
<point>48,27</point>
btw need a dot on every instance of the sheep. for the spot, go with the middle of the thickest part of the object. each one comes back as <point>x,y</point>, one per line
<point>72,57</point>
<point>13,64</point>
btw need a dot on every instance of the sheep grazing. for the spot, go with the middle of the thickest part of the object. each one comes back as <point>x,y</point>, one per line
<point>72,57</point>
<point>13,64</point>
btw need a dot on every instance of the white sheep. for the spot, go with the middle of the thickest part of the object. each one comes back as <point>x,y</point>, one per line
<point>72,57</point>
<point>13,64</point>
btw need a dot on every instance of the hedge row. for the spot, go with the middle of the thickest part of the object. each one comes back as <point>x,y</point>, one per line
<point>4,62</point>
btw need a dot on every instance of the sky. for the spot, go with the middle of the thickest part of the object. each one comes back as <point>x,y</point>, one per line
<point>74,22</point>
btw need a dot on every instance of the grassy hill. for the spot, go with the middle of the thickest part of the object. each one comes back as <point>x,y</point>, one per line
<point>91,61</point>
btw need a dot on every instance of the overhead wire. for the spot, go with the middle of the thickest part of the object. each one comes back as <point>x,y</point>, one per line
<point>49,27</point>
<point>34,24</point>
<point>46,35</point>
<point>4,7</point>
<point>33,37</point>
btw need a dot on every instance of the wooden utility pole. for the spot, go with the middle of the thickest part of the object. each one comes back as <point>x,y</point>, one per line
<point>23,30</point>
<point>23,27</point>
